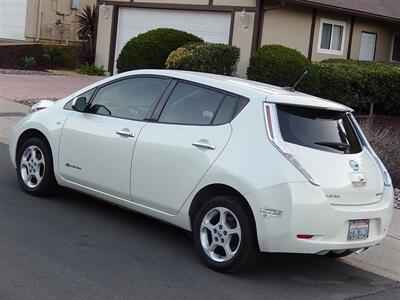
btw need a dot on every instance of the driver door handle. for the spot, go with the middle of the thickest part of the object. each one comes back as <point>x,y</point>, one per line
<point>125,133</point>
<point>204,146</point>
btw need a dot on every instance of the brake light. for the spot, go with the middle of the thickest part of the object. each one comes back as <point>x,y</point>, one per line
<point>274,135</point>
<point>304,236</point>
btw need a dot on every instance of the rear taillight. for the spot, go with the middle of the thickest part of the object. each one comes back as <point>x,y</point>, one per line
<point>385,174</point>
<point>274,135</point>
<point>304,236</point>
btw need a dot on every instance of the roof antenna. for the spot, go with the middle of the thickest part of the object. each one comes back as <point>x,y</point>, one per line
<point>293,88</point>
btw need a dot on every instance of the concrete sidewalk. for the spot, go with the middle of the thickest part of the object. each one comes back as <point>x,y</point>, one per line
<point>383,259</point>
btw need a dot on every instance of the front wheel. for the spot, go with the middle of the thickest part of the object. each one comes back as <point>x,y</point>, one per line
<point>224,234</point>
<point>35,167</point>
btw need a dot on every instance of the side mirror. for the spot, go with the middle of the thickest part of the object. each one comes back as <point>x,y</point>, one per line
<point>79,104</point>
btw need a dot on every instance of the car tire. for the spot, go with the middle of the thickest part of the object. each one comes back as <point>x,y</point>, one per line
<point>35,167</point>
<point>334,254</point>
<point>214,235</point>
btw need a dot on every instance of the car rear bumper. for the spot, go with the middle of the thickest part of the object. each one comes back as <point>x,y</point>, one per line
<point>284,211</point>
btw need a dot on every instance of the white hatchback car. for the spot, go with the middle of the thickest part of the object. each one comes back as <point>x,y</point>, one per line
<point>246,166</point>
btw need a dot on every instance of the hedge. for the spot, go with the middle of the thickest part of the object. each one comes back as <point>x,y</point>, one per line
<point>205,57</point>
<point>151,49</point>
<point>367,87</point>
<point>60,56</point>
<point>283,66</point>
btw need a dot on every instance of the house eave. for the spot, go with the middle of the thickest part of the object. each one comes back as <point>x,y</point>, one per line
<point>343,10</point>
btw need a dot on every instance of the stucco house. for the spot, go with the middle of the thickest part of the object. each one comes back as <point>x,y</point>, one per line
<point>320,29</point>
<point>40,20</point>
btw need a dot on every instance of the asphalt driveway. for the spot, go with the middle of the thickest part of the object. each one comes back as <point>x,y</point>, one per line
<point>70,246</point>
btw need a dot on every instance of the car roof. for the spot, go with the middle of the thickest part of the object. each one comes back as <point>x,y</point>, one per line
<point>269,92</point>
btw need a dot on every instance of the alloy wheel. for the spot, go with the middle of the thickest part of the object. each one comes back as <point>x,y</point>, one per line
<point>32,166</point>
<point>220,234</point>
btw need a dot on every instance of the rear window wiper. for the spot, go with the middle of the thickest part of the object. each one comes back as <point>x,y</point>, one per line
<point>335,145</point>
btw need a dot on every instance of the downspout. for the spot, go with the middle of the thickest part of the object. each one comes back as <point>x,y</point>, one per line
<point>39,21</point>
<point>257,21</point>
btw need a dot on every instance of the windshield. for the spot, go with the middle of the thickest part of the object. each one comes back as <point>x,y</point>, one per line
<point>318,128</point>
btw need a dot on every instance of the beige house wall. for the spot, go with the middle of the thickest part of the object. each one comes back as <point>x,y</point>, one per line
<point>245,3</point>
<point>49,31</point>
<point>104,37</point>
<point>289,27</point>
<point>383,40</point>
<point>31,19</point>
<point>242,38</point>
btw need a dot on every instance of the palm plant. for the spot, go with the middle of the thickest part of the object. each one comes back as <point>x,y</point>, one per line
<point>87,29</point>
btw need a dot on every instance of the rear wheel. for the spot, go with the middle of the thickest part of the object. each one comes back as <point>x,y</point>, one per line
<point>224,235</point>
<point>35,167</point>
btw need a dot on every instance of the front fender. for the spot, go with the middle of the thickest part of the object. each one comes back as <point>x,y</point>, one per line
<point>48,122</point>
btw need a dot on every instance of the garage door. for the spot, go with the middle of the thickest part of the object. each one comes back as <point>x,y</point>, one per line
<point>12,19</point>
<point>210,26</point>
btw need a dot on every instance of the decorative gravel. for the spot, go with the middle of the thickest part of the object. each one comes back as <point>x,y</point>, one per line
<point>25,72</point>
<point>397,198</point>
<point>32,101</point>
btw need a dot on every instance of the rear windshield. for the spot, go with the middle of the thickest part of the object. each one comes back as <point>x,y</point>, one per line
<point>317,128</point>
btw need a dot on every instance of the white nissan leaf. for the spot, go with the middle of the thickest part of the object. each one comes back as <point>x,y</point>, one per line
<point>245,166</point>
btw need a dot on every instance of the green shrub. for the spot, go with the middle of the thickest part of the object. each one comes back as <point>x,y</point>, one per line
<point>151,49</point>
<point>90,70</point>
<point>61,56</point>
<point>364,86</point>
<point>29,62</point>
<point>205,57</point>
<point>282,66</point>
<point>360,62</point>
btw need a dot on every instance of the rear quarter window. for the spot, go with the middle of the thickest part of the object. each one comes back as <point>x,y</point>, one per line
<point>318,128</point>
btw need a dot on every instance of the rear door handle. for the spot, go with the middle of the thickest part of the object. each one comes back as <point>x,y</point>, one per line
<point>125,132</point>
<point>204,146</point>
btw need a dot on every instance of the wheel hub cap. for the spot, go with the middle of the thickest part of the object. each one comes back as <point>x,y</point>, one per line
<point>32,166</point>
<point>220,234</point>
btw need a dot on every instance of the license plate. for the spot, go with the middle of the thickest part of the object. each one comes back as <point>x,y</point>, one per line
<point>358,230</point>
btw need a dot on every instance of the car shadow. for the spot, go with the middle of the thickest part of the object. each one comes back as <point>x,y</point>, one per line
<point>115,253</point>
<point>304,268</point>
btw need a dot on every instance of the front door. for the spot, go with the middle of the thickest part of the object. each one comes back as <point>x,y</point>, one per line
<point>96,147</point>
<point>367,46</point>
<point>173,154</point>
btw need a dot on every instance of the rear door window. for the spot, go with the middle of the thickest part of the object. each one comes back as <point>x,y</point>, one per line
<point>192,105</point>
<point>317,128</point>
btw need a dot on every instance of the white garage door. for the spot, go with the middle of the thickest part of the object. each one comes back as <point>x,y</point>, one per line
<point>210,26</point>
<point>12,19</point>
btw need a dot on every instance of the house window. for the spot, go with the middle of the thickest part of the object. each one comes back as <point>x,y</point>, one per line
<point>75,4</point>
<point>331,37</point>
<point>396,47</point>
